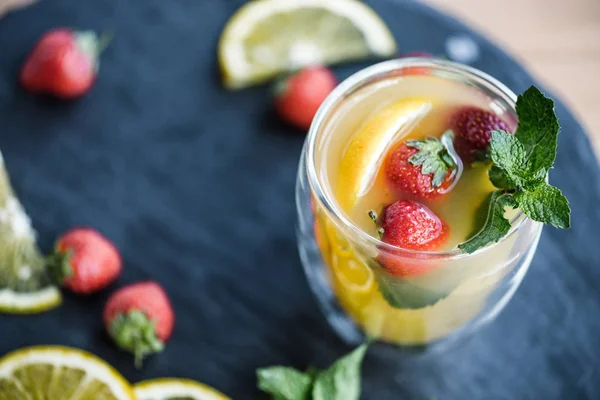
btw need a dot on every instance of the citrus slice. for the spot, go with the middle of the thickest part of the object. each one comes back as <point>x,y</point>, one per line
<point>175,389</point>
<point>267,37</point>
<point>366,150</point>
<point>25,287</point>
<point>54,372</point>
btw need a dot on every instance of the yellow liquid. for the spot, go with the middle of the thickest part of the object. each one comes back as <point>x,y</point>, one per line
<point>353,280</point>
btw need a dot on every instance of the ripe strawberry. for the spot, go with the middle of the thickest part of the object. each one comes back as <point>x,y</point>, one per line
<point>84,261</point>
<point>63,63</point>
<point>420,169</point>
<point>299,97</point>
<point>139,318</point>
<point>472,127</point>
<point>413,226</point>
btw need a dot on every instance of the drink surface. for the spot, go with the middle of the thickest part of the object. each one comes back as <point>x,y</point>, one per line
<point>351,163</point>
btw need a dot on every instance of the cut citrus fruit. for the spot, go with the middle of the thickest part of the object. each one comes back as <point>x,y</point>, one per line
<point>366,150</point>
<point>54,372</point>
<point>25,287</point>
<point>174,389</point>
<point>267,37</point>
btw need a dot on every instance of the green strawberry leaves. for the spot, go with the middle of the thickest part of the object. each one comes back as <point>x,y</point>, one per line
<point>433,157</point>
<point>341,381</point>
<point>520,172</point>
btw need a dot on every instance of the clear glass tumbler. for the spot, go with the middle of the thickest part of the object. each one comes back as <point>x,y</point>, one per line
<point>457,297</point>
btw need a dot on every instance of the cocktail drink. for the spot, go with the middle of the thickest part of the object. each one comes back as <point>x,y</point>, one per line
<point>393,189</point>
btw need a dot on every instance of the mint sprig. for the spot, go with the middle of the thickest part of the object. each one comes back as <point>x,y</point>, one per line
<point>433,157</point>
<point>520,171</point>
<point>341,381</point>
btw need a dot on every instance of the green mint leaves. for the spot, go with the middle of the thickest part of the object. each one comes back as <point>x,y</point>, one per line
<point>341,381</point>
<point>433,157</point>
<point>520,170</point>
<point>284,383</point>
<point>495,227</point>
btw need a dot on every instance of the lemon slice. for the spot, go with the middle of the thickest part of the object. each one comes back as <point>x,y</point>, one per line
<point>25,287</point>
<point>175,389</point>
<point>55,372</point>
<point>267,37</point>
<point>366,150</point>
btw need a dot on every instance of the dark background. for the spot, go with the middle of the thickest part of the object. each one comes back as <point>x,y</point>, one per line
<point>195,186</point>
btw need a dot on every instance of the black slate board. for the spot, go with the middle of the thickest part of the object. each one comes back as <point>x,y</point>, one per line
<point>195,185</point>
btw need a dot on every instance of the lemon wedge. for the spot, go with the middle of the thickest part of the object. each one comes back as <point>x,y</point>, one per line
<point>366,150</point>
<point>267,37</point>
<point>54,372</point>
<point>174,388</point>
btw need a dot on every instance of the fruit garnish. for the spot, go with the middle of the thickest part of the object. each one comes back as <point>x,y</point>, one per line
<point>299,96</point>
<point>520,171</point>
<point>140,319</point>
<point>84,261</point>
<point>25,285</point>
<point>175,388</point>
<point>63,63</point>
<point>472,127</point>
<point>366,150</point>
<point>54,372</point>
<point>340,381</point>
<point>268,37</point>
<point>413,226</point>
<point>423,169</point>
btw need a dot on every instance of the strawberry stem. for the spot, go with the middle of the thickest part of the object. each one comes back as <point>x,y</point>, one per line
<point>373,216</point>
<point>59,265</point>
<point>134,332</point>
<point>104,40</point>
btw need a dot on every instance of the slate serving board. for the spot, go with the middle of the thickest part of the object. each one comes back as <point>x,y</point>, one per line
<point>195,185</point>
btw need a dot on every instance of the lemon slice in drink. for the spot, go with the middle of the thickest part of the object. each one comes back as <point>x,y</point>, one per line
<point>25,287</point>
<point>55,372</point>
<point>366,150</point>
<point>175,389</point>
<point>267,37</point>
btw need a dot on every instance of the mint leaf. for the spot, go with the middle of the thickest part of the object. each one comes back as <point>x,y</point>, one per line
<point>545,204</point>
<point>284,383</point>
<point>538,128</point>
<point>342,380</point>
<point>509,156</point>
<point>500,179</point>
<point>433,157</point>
<point>496,225</point>
<point>400,293</point>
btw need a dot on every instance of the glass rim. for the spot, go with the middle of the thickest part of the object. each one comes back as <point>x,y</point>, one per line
<point>357,80</point>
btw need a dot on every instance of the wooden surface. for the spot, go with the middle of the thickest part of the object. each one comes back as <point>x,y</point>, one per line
<point>558,40</point>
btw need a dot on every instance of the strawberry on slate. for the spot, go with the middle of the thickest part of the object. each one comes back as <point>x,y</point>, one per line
<point>412,226</point>
<point>299,96</point>
<point>472,127</point>
<point>421,169</point>
<point>84,261</point>
<point>63,63</point>
<point>140,319</point>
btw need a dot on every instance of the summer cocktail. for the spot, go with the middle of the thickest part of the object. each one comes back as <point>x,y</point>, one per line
<point>415,224</point>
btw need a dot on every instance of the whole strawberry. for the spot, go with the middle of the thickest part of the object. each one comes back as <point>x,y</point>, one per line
<point>140,319</point>
<point>299,96</point>
<point>84,261</point>
<point>412,226</point>
<point>472,127</point>
<point>420,169</point>
<point>63,63</point>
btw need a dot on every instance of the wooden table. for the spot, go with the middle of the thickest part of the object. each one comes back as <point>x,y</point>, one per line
<point>558,40</point>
